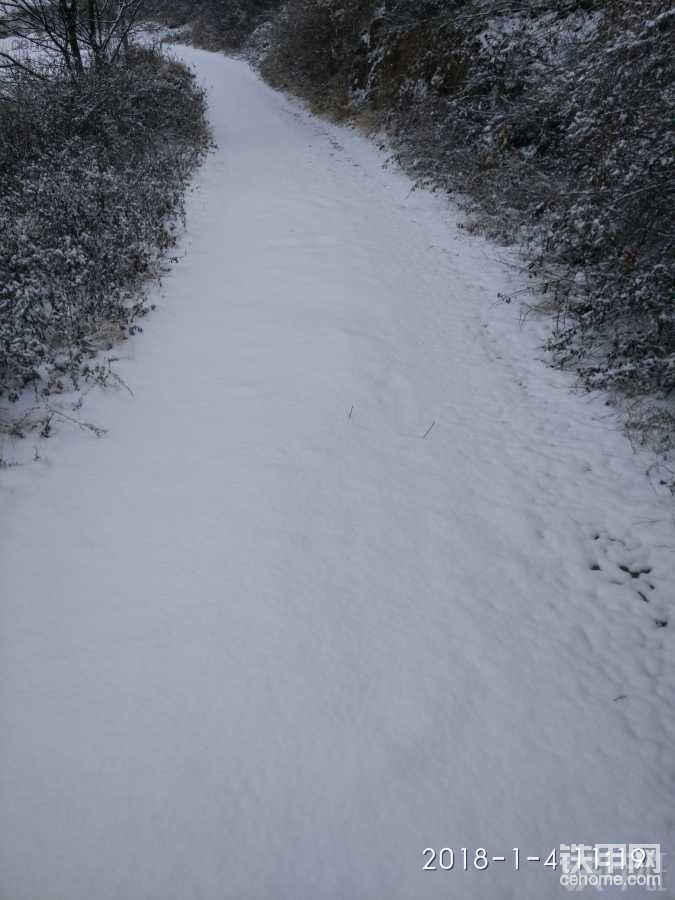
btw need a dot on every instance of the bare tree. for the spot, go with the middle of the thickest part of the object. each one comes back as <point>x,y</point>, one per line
<point>79,33</point>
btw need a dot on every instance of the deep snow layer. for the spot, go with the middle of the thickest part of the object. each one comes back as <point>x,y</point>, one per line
<point>265,640</point>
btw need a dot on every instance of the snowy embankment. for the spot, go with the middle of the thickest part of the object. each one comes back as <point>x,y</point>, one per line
<point>351,574</point>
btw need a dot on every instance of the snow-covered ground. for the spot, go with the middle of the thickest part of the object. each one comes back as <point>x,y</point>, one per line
<point>352,574</point>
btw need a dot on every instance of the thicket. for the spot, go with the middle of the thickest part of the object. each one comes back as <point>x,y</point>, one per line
<point>93,168</point>
<point>314,47</point>
<point>214,24</point>
<point>554,117</point>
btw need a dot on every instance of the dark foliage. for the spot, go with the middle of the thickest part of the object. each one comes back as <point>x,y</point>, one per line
<point>215,24</point>
<point>314,46</point>
<point>92,175</point>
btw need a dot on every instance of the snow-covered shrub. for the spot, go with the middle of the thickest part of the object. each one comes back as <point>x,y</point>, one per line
<point>613,228</point>
<point>92,175</point>
<point>259,43</point>
<point>313,45</point>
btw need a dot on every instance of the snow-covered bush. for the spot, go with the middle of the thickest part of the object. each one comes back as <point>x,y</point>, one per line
<point>259,43</point>
<point>557,119</point>
<point>313,46</point>
<point>92,175</point>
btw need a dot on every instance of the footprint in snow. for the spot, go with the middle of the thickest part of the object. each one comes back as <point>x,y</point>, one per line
<point>624,565</point>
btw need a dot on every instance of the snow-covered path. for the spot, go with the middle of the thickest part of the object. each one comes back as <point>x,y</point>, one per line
<point>265,640</point>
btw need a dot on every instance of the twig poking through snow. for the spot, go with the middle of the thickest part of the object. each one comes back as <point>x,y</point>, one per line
<point>85,426</point>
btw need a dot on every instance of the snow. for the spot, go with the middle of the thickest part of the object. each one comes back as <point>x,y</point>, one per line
<point>266,640</point>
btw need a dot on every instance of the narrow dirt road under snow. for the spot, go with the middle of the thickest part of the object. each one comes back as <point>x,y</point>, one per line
<point>266,640</point>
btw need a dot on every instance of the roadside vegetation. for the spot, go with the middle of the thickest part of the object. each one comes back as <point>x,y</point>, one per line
<point>213,24</point>
<point>98,138</point>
